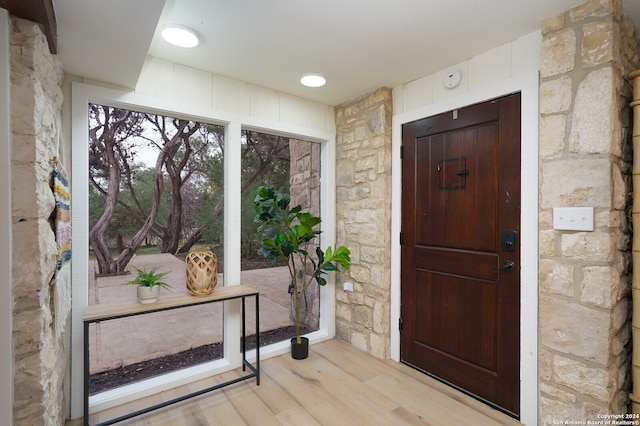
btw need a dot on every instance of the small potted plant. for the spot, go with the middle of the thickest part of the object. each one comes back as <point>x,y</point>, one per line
<point>287,234</point>
<point>149,284</point>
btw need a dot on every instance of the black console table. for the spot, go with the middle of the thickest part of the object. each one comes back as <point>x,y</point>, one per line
<point>108,311</point>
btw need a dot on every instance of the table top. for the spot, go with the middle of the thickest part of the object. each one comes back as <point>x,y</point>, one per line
<point>101,311</point>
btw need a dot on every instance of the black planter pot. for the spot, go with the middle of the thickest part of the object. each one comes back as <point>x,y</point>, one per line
<point>299,350</point>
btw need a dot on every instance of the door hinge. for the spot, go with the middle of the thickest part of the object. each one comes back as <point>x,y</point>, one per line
<point>401,238</point>
<point>401,152</point>
<point>400,324</point>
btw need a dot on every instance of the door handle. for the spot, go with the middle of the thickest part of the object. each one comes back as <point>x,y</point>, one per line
<point>508,266</point>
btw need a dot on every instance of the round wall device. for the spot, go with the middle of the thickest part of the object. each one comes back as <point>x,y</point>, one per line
<point>452,79</point>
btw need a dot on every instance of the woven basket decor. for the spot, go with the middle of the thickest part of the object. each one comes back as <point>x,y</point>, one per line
<point>202,271</point>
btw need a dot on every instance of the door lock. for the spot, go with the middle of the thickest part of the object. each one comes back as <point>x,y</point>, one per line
<point>508,266</point>
<point>508,240</point>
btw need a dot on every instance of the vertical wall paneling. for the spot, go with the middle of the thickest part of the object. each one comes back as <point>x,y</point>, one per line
<point>418,92</point>
<point>235,99</point>
<point>156,79</point>
<point>194,86</point>
<point>525,53</point>
<point>229,95</point>
<point>291,108</point>
<point>263,102</point>
<point>491,67</point>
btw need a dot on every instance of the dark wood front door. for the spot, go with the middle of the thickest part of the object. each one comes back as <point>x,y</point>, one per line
<point>460,280</point>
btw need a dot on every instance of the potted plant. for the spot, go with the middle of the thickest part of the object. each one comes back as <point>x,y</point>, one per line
<point>287,234</point>
<point>149,284</point>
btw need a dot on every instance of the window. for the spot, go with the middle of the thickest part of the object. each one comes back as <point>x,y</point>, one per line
<point>291,166</point>
<point>156,192</point>
<point>230,230</point>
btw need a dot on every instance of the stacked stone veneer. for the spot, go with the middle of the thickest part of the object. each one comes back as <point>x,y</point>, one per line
<point>363,168</point>
<point>585,160</point>
<point>40,353</point>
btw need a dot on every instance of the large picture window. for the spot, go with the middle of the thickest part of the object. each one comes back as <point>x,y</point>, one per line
<point>208,166</point>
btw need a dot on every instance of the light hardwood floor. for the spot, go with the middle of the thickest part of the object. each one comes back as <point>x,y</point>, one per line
<point>337,385</point>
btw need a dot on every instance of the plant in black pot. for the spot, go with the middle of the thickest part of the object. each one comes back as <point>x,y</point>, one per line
<point>287,234</point>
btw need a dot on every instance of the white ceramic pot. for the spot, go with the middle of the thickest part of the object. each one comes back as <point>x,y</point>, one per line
<point>148,294</point>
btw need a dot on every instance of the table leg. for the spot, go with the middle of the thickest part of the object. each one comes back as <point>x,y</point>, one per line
<point>257,340</point>
<point>86,374</point>
<point>244,337</point>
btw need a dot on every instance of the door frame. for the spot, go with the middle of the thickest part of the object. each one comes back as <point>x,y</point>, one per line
<point>528,86</point>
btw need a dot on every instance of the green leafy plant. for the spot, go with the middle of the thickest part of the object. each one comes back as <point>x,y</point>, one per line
<point>149,279</point>
<point>287,233</point>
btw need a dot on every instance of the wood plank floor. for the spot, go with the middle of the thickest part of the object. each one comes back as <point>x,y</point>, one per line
<point>337,385</point>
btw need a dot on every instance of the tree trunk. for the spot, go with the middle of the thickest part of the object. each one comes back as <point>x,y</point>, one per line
<point>173,230</point>
<point>106,264</point>
<point>192,239</point>
<point>126,255</point>
<point>170,237</point>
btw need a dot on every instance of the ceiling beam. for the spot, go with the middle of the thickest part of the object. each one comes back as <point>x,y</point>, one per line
<point>39,11</point>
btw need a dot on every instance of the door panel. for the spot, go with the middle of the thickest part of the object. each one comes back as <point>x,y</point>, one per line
<point>460,191</point>
<point>466,263</point>
<point>457,163</point>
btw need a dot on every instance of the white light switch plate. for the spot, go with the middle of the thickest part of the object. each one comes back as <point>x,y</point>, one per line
<point>573,218</point>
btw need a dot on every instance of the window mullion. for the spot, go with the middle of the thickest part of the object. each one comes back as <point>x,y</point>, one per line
<point>232,254</point>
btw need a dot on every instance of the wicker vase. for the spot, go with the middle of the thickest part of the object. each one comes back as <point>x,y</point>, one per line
<point>202,271</point>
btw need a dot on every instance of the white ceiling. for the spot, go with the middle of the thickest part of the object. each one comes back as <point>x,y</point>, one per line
<point>359,45</point>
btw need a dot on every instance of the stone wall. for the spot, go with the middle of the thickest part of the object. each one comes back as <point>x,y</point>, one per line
<point>585,160</point>
<point>363,168</point>
<point>40,352</point>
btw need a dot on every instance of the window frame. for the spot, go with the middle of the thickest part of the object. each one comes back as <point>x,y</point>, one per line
<point>81,95</point>
<point>6,293</point>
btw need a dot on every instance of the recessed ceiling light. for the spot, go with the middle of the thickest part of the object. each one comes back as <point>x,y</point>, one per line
<point>313,80</point>
<point>180,36</point>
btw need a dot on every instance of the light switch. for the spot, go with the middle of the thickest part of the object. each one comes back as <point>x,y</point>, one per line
<point>573,218</point>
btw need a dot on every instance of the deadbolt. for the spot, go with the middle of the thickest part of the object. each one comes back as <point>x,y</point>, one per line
<point>508,240</point>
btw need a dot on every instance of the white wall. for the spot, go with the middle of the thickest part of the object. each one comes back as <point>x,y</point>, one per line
<point>6,298</point>
<point>510,68</point>
<point>265,107</point>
